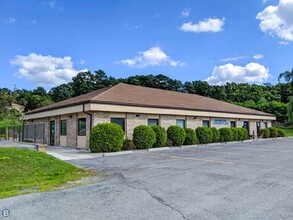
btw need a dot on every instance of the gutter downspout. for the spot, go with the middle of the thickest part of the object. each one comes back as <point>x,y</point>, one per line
<point>91,117</point>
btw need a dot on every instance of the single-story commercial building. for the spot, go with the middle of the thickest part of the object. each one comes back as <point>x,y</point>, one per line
<point>68,123</point>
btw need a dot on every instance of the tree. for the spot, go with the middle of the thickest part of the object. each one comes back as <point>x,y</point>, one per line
<point>62,92</point>
<point>288,76</point>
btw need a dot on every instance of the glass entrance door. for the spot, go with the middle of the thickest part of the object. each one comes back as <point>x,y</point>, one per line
<point>52,133</point>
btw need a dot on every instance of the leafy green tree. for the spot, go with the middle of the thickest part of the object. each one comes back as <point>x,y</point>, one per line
<point>62,92</point>
<point>288,76</point>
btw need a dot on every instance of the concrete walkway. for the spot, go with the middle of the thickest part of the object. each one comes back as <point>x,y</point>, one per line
<point>66,153</point>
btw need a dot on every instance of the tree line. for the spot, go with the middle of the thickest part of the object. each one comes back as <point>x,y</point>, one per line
<point>269,98</point>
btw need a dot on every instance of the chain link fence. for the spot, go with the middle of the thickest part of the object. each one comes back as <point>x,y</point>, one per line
<point>34,133</point>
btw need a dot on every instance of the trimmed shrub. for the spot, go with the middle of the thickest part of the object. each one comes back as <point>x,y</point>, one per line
<point>216,135</point>
<point>143,137</point>
<point>226,134</point>
<point>273,132</point>
<point>161,136</point>
<point>264,133</point>
<point>235,135</point>
<point>204,135</point>
<point>245,134</point>
<point>190,138</point>
<point>281,133</point>
<point>128,145</point>
<point>240,134</point>
<point>106,137</point>
<point>176,134</point>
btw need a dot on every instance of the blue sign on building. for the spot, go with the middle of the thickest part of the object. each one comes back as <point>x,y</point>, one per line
<point>220,122</point>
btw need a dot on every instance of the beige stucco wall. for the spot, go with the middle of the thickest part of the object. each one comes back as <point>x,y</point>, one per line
<point>132,121</point>
<point>63,141</point>
<point>167,120</point>
<point>71,130</point>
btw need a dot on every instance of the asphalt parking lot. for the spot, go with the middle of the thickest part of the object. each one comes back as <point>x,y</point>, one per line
<point>251,180</point>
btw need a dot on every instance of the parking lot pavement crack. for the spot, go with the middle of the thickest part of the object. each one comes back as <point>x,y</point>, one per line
<point>163,202</point>
<point>158,199</point>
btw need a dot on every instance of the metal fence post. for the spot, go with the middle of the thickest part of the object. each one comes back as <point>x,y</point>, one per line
<point>35,134</point>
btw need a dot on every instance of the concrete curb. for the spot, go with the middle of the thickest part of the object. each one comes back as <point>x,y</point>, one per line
<point>158,149</point>
<point>247,141</point>
<point>189,146</point>
<point>117,153</point>
<point>212,144</point>
<point>233,142</point>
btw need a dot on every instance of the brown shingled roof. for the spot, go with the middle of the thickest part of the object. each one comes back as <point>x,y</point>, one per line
<point>124,94</point>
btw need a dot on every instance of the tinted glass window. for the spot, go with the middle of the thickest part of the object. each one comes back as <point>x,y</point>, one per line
<point>152,122</point>
<point>206,123</point>
<point>232,124</point>
<point>81,126</point>
<point>265,124</point>
<point>119,121</point>
<point>180,123</point>
<point>63,127</point>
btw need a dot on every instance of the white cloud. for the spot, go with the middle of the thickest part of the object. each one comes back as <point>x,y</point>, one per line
<point>186,12</point>
<point>208,25</point>
<point>258,56</point>
<point>278,20</point>
<point>53,5</point>
<point>251,73</point>
<point>233,58</point>
<point>44,70</point>
<point>283,42</point>
<point>9,20</point>
<point>151,57</point>
<point>264,1</point>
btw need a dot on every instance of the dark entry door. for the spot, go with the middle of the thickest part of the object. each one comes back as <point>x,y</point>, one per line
<point>52,133</point>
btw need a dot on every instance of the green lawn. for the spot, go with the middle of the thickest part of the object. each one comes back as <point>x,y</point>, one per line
<point>25,171</point>
<point>288,131</point>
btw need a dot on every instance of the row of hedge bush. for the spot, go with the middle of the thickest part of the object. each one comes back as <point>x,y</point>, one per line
<point>109,137</point>
<point>271,132</point>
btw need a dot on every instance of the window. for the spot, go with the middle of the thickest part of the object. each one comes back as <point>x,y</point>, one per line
<point>119,121</point>
<point>232,124</point>
<point>265,125</point>
<point>152,122</point>
<point>206,123</point>
<point>245,124</point>
<point>180,123</point>
<point>81,127</point>
<point>63,127</point>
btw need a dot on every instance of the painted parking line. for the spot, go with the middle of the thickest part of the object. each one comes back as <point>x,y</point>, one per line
<point>189,158</point>
<point>224,152</point>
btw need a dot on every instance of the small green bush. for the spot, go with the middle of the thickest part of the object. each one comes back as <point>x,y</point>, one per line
<point>128,145</point>
<point>235,136</point>
<point>216,135</point>
<point>281,133</point>
<point>106,137</point>
<point>240,134</point>
<point>264,133</point>
<point>273,132</point>
<point>226,134</point>
<point>204,135</point>
<point>144,137</point>
<point>245,134</point>
<point>176,134</point>
<point>190,138</point>
<point>161,136</point>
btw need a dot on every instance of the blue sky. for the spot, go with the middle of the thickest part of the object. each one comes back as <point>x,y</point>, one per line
<point>47,42</point>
